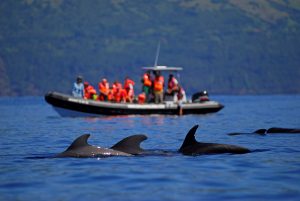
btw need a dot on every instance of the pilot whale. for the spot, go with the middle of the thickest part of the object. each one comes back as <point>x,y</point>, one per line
<point>130,146</point>
<point>127,147</point>
<point>277,130</point>
<point>273,130</point>
<point>191,147</point>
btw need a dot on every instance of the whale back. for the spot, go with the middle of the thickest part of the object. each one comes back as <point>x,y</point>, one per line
<point>260,131</point>
<point>283,130</point>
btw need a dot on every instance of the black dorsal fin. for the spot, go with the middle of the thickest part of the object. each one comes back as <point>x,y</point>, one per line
<point>189,138</point>
<point>130,145</point>
<point>79,142</point>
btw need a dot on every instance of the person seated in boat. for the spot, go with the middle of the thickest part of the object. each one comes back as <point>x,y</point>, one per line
<point>116,86</point>
<point>89,91</point>
<point>173,88</point>
<point>147,83</point>
<point>104,90</point>
<point>181,96</point>
<point>118,93</point>
<point>172,85</point>
<point>128,86</point>
<point>158,87</point>
<point>120,96</point>
<point>110,96</point>
<point>204,96</point>
<point>78,88</point>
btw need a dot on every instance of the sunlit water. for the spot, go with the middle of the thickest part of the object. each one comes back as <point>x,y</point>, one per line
<point>30,129</point>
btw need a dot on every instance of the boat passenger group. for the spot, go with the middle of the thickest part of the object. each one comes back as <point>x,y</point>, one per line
<point>152,91</point>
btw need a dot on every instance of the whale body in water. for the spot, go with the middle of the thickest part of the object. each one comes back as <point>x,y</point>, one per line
<point>191,146</point>
<point>130,146</point>
<point>127,147</point>
<point>273,130</point>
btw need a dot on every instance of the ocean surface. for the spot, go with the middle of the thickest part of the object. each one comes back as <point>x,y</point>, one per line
<point>32,132</point>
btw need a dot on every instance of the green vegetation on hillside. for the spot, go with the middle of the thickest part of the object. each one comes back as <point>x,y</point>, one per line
<point>225,46</point>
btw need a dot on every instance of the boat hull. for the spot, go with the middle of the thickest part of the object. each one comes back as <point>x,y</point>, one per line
<point>67,105</point>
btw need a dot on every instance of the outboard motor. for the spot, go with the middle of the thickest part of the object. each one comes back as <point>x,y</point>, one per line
<point>199,97</point>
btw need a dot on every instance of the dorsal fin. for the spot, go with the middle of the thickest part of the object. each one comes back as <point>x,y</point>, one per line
<point>189,138</point>
<point>79,142</point>
<point>130,145</point>
<point>261,131</point>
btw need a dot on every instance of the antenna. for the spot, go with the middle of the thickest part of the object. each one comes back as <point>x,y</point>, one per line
<point>157,54</point>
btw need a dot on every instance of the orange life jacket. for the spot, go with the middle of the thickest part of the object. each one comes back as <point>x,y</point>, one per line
<point>103,87</point>
<point>118,92</point>
<point>89,91</point>
<point>117,86</point>
<point>159,83</point>
<point>110,95</point>
<point>147,81</point>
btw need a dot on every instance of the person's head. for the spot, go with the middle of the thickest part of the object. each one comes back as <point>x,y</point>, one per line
<point>79,79</point>
<point>157,73</point>
<point>104,80</point>
<point>86,84</point>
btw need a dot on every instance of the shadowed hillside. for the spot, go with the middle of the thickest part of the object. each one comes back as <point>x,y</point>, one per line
<point>226,46</point>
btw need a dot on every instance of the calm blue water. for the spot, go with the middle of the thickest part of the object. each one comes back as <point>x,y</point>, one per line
<point>31,128</point>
